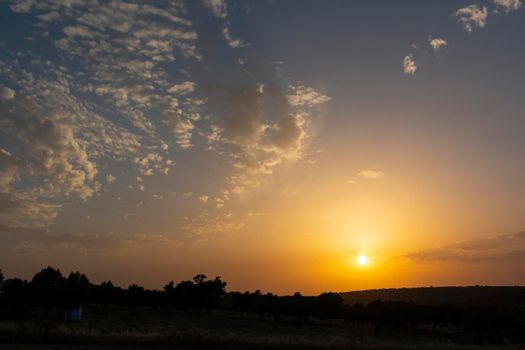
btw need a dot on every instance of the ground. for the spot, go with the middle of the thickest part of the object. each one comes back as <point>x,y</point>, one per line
<point>162,329</point>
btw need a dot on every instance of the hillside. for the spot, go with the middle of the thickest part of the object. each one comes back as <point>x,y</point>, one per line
<point>473,295</point>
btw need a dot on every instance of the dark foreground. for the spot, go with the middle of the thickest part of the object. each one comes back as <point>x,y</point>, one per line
<point>152,328</point>
<point>200,313</point>
<point>90,347</point>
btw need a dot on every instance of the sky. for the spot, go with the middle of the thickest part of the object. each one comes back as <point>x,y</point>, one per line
<point>271,143</point>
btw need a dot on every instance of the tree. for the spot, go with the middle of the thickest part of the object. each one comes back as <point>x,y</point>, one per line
<point>77,279</point>
<point>48,288</point>
<point>135,296</point>
<point>106,294</point>
<point>212,293</point>
<point>77,289</point>
<point>13,299</point>
<point>329,306</point>
<point>199,279</point>
<point>48,277</point>
<point>169,293</point>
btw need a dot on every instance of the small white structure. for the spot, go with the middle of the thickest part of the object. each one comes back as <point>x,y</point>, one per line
<point>73,314</point>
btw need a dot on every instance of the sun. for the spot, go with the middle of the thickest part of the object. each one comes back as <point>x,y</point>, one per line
<point>362,259</point>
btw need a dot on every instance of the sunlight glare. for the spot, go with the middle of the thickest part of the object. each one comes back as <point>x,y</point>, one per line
<point>362,259</point>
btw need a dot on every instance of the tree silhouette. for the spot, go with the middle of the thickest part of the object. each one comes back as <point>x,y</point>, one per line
<point>48,288</point>
<point>77,289</point>
<point>488,319</point>
<point>107,294</point>
<point>12,299</point>
<point>135,296</point>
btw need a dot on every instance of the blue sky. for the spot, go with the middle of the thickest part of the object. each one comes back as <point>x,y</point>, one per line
<point>236,130</point>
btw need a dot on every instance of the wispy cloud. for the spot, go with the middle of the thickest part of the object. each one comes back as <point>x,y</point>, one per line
<point>500,248</point>
<point>207,226</point>
<point>45,241</point>
<point>218,7</point>
<point>371,174</point>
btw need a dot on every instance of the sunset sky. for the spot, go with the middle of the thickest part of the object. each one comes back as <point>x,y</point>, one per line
<point>268,142</point>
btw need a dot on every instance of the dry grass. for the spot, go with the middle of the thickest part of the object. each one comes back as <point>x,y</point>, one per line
<point>151,329</point>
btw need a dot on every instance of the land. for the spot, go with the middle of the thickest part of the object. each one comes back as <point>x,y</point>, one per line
<point>472,295</point>
<point>168,328</point>
<point>201,313</point>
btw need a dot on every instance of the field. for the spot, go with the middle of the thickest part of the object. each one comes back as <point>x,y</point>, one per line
<point>167,328</point>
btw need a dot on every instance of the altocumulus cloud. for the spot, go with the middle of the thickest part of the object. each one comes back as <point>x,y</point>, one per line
<point>409,65</point>
<point>472,16</point>
<point>508,5</point>
<point>123,86</point>
<point>6,93</point>
<point>437,43</point>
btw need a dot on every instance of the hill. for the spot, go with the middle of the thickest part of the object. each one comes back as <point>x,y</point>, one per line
<point>473,295</point>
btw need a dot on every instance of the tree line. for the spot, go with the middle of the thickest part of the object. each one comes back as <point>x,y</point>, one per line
<point>49,289</point>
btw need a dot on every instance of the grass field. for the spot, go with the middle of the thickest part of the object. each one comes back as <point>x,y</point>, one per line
<point>149,328</point>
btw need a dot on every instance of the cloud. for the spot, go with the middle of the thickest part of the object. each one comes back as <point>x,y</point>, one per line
<point>218,7</point>
<point>219,202</point>
<point>206,226</point>
<point>150,163</point>
<point>49,17</point>
<point>305,96</point>
<point>437,43</point>
<point>62,138</point>
<point>258,142</point>
<point>124,46</point>
<point>57,153</point>
<point>19,211</point>
<point>203,199</point>
<point>371,174</point>
<point>79,31</point>
<point>509,247</point>
<point>182,88</point>
<point>287,134</point>
<point>11,170</point>
<point>220,10</point>
<point>242,125</point>
<point>233,43</point>
<point>7,93</point>
<point>132,98</point>
<point>508,5</point>
<point>23,6</point>
<point>183,130</point>
<point>409,65</point>
<point>472,16</point>
<point>110,178</point>
<point>41,241</point>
